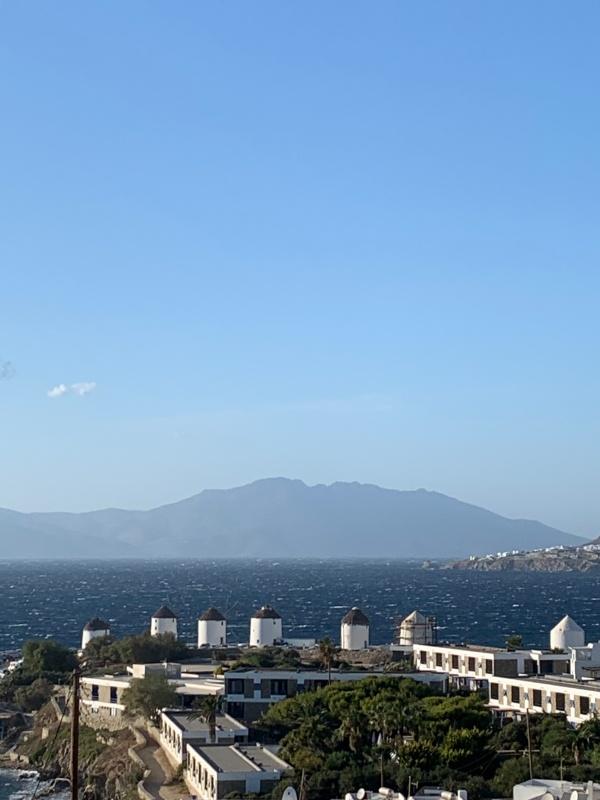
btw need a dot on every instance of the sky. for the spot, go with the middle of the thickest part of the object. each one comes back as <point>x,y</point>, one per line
<point>332,241</point>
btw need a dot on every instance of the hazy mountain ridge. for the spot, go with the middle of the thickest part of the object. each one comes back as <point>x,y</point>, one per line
<point>279,517</point>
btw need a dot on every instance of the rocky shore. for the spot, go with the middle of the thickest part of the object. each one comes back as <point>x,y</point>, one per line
<point>107,771</point>
<point>553,559</point>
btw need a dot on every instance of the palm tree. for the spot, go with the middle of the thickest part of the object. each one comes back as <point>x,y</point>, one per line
<point>352,728</point>
<point>327,652</point>
<point>206,708</point>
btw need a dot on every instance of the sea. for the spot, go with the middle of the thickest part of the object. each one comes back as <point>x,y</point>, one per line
<point>21,785</point>
<point>54,599</point>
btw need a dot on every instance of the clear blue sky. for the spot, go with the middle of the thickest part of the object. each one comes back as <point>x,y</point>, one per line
<point>333,241</point>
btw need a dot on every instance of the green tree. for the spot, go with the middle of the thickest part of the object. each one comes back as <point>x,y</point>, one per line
<point>206,708</point>
<point>514,641</point>
<point>418,754</point>
<point>139,649</point>
<point>588,734</point>
<point>510,772</point>
<point>461,746</point>
<point>45,655</point>
<point>327,653</point>
<point>270,658</point>
<point>559,743</point>
<point>147,696</point>
<point>33,697</point>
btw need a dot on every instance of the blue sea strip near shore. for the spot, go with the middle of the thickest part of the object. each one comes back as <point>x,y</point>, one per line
<point>20,785</point>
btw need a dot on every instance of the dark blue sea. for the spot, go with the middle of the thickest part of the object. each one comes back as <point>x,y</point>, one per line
<point>16,785</point>
<point>54,599</point>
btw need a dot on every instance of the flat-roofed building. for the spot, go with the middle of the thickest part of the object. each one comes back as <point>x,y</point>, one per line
<point>102,694</point>
<point>250,692</point>
<point>179,728</point>
<point>471,666</point>
<point>558,694</point>
<point>213,770</point>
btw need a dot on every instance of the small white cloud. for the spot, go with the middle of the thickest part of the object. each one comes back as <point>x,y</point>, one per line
<point>83,388</point>
<point>7,370</point>
<point>80,389</point>
<point>58,391</point>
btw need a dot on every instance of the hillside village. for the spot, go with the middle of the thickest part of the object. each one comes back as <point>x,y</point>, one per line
<point>558,558</point>
<point>159,718</point>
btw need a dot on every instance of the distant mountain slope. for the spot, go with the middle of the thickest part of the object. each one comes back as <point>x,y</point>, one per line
<point>278,518</point>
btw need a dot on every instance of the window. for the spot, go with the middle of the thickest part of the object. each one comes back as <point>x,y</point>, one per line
<point>454,662</point>
<point>235,709</point>
<point>559,700</point>
<point>494,693</point>
<point>471,665</point>
<point>279,687</point>
<point>113,694</point>
<point>515,694</point>
<point>438,660</point>
<point>489,666</point>
<point>423,656</point>
<point>537,698</point>
<point>235,686</point>
<point>584,705</point>
<point>95,691</point>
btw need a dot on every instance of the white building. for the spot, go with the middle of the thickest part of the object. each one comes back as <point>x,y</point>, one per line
<point>354,632</point>
<point>96,628</point>
<point>415,628</point>
<point>102,695</point>
<point>212,629</point>
<point>557,694</point>
<point>566,633</point>
<point>250,692</point>
<point>266,628</point>
<point>213,770</point>
<point>163,621</point>
<point>585,661</point>
<point>470,666</point>
<point>539,788</point>
<point>178,729</point>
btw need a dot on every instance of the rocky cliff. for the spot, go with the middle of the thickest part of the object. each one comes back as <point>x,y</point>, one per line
<point>555,559</point>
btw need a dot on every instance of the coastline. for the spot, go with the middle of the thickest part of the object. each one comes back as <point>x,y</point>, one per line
<point>19,784</point>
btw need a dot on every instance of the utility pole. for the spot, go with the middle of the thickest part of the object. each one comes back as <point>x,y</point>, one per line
<point>75,736</point>
<point>529,745</point>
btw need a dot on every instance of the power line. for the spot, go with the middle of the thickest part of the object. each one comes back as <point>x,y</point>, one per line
<point>52,743</point>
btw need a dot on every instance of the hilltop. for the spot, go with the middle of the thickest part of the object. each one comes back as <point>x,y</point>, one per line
<point>279,518</point>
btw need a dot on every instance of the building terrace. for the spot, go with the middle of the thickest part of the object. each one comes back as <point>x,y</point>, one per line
<point>214,770</point>
<point>179,728</point>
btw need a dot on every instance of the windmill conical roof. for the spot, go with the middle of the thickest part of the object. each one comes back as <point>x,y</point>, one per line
<point>212,614</point>
<point>96,624</point>
<point>567,623</point>
<point>415,616</point>
<point>355,617</point>
<point>266,612</point>
<point>164,612</point>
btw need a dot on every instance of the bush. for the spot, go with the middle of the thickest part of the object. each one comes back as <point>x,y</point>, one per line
<point>148,696</point>
<point>43,656</point>
<point>33,697</point>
